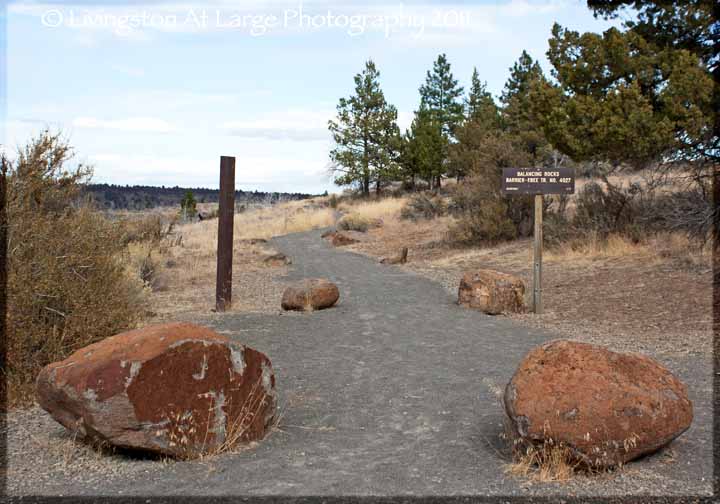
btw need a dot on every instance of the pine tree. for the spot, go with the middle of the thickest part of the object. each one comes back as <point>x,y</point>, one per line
<point>425,148</point>
<point>441,96</point>
<point>366,135</point>
<point>517,112</point>
<point>479,105</point>
<point>188,205</point>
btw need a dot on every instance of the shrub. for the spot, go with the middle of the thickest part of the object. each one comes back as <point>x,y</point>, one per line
<point>423,206</point>
<point>353,222</point>
<point>151,228</point>
<point>67,286</point>
<point>483,215</point>
<point>333,201</point>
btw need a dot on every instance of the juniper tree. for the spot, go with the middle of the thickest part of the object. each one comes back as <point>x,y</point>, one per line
<point>622,99</point>
<point>366,135</point>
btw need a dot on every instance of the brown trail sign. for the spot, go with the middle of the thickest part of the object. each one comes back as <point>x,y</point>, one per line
<point>537,181</point>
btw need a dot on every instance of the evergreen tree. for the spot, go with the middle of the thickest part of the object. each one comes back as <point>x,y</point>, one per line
<point>480,107</point>
<point>441,96</point>
<point>424,148</point>
<point>188,205</point>
<point>366,135</point>
<point>624,100</point>
<point>518,116</point>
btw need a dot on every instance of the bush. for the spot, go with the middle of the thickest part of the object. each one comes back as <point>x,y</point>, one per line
<point>67,285</point>
<point>353,222</point>
<point>333,201</point>
<point>485,216</point>
<point>423,206</point>
<point>150,228</point>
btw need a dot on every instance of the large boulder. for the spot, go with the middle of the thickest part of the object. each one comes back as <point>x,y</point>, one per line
<point>310,294</point>
<point>492,292</point>
<point>607,408</point>
<point>176,389</point>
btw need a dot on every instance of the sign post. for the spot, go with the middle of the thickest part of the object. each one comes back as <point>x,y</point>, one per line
<point>537,182</point>
<point>226,211</point>
<point>537,255</point>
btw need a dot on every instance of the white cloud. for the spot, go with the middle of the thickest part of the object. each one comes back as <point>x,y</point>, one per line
<point>292,124</point>
<point>144,124</point>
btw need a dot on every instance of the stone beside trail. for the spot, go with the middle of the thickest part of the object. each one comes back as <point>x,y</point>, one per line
<point>492,292</point>
<point>608,408</point>
<point>174,389</point>
<point>310,294</point>
<point>395,391</point>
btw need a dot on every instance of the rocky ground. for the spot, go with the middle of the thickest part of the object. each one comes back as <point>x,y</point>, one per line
<point>394,391</point>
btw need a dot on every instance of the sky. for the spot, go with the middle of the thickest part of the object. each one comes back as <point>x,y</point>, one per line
<point>154,92</point>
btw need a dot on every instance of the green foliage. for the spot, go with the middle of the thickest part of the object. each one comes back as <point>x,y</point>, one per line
<point>67,284</point>
<point>518,117</point>
<point>424,148</point>
<point>480,107</point>
<point>188,205</point>
<point>624,100</point>
<point>441,96</point>
<point>366,135</point>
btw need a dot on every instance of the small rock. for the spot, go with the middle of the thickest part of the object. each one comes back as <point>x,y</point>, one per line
<point>398,259</point>
<point>278,259</point>
<point>175,389</point>
<point>607,407</point>
<point>253,241</point>
<point>492,292</point>
<point>341,238</point>
<point>310,294</point>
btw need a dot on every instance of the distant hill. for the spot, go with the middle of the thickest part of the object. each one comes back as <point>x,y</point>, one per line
<point>139,197</point>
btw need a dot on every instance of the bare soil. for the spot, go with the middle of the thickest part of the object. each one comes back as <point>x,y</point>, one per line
<point>654,299</point>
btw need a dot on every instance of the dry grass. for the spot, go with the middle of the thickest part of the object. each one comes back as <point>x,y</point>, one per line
<point>656,248</point>
<point>387,209</point>
<point>184,264</point>
<point>542,464</point>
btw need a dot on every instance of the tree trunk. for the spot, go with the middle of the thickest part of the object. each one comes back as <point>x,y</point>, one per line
<point>377,187</point>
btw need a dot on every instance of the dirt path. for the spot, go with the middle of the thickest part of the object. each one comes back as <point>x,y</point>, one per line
<point>396,391</point>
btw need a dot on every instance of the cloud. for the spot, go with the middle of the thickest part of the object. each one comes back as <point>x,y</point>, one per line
<point>293,124</point>
<point>139,124</point>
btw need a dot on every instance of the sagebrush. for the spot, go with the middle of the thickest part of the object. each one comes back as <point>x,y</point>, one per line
<point>67,284</point>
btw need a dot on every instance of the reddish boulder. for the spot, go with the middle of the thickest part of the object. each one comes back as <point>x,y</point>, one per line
<point>310,294</point>
<point>492,292</point>
<point>606,407</point>
<point>175,389</point>
<point>341,238</point>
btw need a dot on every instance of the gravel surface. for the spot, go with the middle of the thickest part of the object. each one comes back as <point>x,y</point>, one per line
<point>395,391</point>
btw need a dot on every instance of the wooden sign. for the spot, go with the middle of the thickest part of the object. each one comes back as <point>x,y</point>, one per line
<point>538,181</point>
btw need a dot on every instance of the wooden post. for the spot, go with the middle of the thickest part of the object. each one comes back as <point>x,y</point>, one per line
<point>223,285</point>
<point>537,256</point>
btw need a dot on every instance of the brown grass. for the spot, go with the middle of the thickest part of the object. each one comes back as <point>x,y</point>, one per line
<point>546,463</point>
